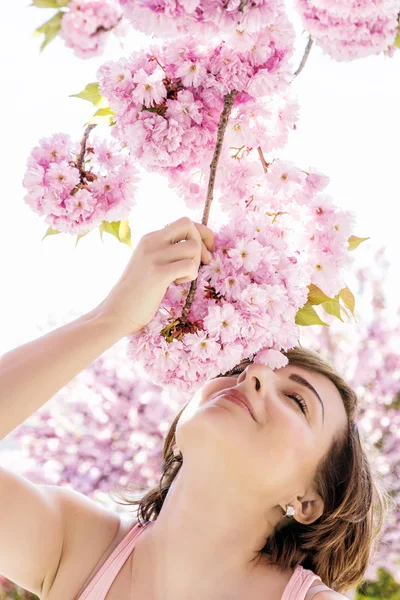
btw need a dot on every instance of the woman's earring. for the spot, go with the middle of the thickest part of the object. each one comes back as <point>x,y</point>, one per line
<point>289,511</point>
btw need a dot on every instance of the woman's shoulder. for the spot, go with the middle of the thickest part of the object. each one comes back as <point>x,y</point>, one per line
<point>329,595</point>
<point>318,589</point>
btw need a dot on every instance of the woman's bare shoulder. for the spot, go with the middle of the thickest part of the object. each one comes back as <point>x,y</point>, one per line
<point>329,595</point>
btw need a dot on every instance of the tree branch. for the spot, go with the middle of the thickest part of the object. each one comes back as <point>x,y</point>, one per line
<point>305,56</point>
<point>263,161</point>
<point>222,125</point>
<point>81,155</point>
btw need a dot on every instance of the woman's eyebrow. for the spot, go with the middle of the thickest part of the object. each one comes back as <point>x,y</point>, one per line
<point>308,385</point>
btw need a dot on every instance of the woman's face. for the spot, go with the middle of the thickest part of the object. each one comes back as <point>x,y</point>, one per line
<point>282,447</point>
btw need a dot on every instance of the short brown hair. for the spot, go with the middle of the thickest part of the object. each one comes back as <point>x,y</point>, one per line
<point>338,546</point>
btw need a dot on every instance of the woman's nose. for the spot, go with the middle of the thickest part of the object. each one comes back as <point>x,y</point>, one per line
<point>259,376</point>
<point>257,382</point>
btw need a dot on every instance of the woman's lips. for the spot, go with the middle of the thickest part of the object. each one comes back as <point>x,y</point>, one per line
<point>235,400</point>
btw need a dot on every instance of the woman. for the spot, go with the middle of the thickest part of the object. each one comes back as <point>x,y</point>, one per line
<point>269,501</point>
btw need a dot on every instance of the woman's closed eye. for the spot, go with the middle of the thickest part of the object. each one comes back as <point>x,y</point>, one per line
<point>300,402</point>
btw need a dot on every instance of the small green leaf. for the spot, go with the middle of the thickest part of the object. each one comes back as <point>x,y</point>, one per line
<point>91,94</point>
<point>396,402</point>
<point>332,307</point>
<point>346,312</point>
<point>355,241</point>
<point>102,116</point>
<point>120,229</point>
<point>50,29</point>
<point>50,231</point>
<point>125,233</point>
<point>49,3</point>
<point>316,296</point>
<point>308,316</point>
<point>78,237</point>
<point>103,112</point>
<point>397,39</point>
<point>112,228</point>
<point>348,299</point>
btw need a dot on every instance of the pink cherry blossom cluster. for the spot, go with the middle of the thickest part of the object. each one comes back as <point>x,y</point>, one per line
<point>168,100</point>
<point>287,237</point>
<point>77,192</point>
<point>203,18</point>
<point>86,25</point>
<point>350,29</point>
<point>316,228</point>
<point>262,124</point>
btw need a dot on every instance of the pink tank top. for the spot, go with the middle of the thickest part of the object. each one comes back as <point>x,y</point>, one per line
<point>298,587</point>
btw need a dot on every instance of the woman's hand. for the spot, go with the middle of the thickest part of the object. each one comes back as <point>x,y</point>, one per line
<point>157,261</point>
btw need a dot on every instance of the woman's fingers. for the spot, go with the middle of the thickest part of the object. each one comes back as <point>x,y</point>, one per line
<point>207,235</point>
<point>186,229</point>
<point>207,239</point>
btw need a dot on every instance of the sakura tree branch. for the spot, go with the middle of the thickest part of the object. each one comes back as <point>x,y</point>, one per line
<point>81,155</point>
<point>305,56</point>
<point>263,161</point>
<point>222,125</point>
<point>103,29</point>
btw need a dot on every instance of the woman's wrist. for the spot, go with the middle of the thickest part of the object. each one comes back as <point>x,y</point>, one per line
<point>113,322</point>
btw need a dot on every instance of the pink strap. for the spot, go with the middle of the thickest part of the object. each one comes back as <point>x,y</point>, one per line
<point>315,589</point>
<point>299,584</point>
<point>101,583</point>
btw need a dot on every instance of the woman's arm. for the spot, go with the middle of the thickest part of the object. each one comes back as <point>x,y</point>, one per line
<point>33,373</point>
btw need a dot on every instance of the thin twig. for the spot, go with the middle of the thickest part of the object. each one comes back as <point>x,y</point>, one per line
<point>81,155</point>
<point>263,161</point>
<point>305,56</point>
<point>103,29</point>
<point>242,5</point>
<point>222,125</point>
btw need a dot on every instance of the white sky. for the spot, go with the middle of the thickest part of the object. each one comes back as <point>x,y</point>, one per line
<point>348,128</point>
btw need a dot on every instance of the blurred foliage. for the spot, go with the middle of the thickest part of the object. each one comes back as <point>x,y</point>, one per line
<point>385,588</point>
<point>10,591</point>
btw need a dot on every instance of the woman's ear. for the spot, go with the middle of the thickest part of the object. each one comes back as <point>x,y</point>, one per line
<point>309,508</point>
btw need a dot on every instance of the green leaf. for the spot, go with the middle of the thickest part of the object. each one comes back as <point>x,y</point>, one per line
<point>316,296</point>
<point>102,116</point>
<point>332,307</point>
<point>397,39</point>
<point>120,229</point>
<point>348,299</point>
<point>103,112</point>
<point>50,231</point>
<point>50,29</point>
<point>395,403</point>
<point>81,235</point>
<point>355,241</point>
<point>49,3</point>
<point>308,316</point>
<point>112,228</point>
<point>125,233</point>
<point>91,94</point>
